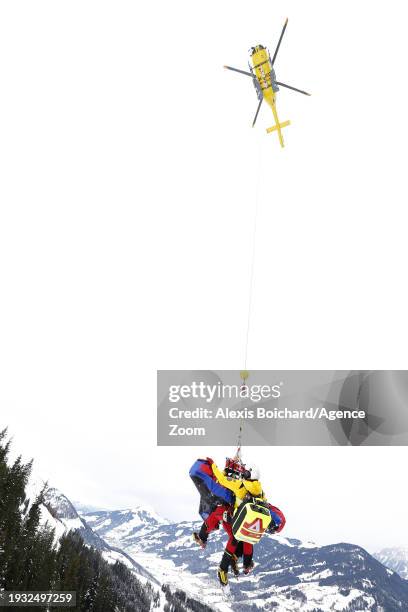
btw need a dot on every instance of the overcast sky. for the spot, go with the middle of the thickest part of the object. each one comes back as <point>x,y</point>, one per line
<point>127,200</point>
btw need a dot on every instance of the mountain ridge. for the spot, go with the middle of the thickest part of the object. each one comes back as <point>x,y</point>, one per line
<point>287,570</point>
<point>59,513</point>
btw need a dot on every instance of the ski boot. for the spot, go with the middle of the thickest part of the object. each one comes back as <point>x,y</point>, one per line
<point>234,565</point>
<point>198,540</point>
<point>248,569</point>
<point>222,577</point>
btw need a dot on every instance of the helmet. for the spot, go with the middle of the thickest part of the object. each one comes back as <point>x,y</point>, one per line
<point>232,468</point>
<point>255,473</point>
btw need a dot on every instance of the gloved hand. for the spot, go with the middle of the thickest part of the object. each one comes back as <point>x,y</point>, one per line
<point>226,517</point>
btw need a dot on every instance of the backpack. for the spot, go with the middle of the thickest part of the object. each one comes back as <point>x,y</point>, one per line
<point>250,521</point>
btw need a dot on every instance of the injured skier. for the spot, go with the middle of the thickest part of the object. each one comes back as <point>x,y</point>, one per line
<point>245,485</point>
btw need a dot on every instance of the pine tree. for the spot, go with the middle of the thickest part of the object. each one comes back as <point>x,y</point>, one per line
<point>13,480</point>
<point>30,559</point>
<point>27,555</point>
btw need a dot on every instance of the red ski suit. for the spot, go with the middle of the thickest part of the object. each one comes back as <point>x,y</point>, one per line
<point>212,522</point>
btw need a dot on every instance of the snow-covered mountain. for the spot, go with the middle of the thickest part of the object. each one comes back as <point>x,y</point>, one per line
<point>59,512</point>
<point>122,526</point>
<point>289,575</point>
<point>394,558</point>
<point>63,512</point>
<point>82,508</point>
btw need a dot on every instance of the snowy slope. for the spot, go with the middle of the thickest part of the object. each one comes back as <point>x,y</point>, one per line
<point>290,575</point>
<point>63,511</point>
<point>126,530</point>
<point>48,516</point>
<point>59,513</point>
<point>394,558</point>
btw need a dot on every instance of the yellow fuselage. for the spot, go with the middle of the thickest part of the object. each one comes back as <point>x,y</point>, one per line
<point>262,68</point>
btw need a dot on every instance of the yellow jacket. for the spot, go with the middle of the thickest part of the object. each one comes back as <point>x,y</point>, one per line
<point>240,488</point>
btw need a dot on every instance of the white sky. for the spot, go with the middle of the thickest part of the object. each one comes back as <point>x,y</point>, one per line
<point>127,198</point>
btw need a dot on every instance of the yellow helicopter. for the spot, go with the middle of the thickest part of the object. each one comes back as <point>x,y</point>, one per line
<point>263,77</point>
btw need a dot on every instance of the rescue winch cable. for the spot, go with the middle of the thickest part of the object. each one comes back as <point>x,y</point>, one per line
<point>252,265</point>
<point>244,374</point>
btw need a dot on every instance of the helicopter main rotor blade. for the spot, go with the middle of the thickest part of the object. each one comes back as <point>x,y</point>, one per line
<point>240,71</point>
<point>279,42</point>
<point>293,88</point>
<point>257,111</point>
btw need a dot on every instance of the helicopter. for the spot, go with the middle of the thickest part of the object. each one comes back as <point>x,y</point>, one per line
<point>264,80</point>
